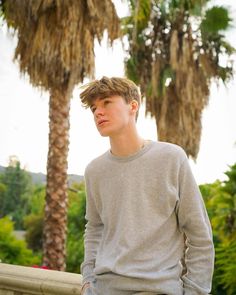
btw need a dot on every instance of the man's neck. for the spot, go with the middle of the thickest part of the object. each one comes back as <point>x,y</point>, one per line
<point>126,146</point>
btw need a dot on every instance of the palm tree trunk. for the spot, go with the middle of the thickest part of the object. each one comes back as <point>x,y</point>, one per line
<point>55,218</point>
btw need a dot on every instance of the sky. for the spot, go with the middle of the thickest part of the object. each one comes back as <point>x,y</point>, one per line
<point>24,116</point>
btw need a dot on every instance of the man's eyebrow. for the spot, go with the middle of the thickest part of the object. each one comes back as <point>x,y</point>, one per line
<point>101,98</point>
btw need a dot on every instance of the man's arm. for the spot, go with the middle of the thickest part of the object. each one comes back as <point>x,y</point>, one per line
<point>194,222</point>
<point>92,236</point>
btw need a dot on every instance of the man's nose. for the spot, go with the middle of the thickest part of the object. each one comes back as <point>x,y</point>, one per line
<point>99,112</point>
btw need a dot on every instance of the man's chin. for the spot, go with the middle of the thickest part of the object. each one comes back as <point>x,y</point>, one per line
<point>103,134</point>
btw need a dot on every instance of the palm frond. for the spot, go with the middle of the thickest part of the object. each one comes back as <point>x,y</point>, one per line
<point>169,49</point>
<point>56,38</point>
<point>215,19</point>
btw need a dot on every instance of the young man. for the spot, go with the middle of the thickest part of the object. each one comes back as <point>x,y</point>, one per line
<point>142,200</point>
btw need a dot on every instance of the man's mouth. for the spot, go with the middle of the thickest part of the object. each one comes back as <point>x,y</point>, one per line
<point>101,122</point>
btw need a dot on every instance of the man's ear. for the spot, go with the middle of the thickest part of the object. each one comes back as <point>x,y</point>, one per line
<point>134,106</point>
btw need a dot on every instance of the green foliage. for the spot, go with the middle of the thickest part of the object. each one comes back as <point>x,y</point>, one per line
<point>14,251</point>
<point>154,21</point>
<point>141,18</point>
<point>220,199</point>
<point>33,222</point>
<point>1,9</point>
<point>15,196</point>
<point>76,226</point>
<point>212,27</point>
<point>75,223</point>
<point>37,200</point>
<point>3,189</point>
<point>226,266</point>
<point>216,19</point>
<point>230,184</point>
<point>34,231</point>
<point>131,69</point>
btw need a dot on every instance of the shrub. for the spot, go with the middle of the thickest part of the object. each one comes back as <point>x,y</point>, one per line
<point>14,251</point>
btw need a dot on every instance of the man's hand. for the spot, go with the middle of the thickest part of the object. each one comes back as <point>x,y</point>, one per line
<point>85,287</point>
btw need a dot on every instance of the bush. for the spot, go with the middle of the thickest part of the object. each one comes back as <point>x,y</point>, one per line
<point>15,192</point>
<point>14,251</point>
<point>220,199</point>
<point>76,226</point>
<point>34,231</point>
<point>33,222</point>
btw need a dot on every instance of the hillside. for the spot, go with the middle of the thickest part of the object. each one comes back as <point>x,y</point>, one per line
<point>40,178</point>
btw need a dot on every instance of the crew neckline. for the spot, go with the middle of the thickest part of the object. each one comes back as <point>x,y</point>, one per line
<point>148,144</point>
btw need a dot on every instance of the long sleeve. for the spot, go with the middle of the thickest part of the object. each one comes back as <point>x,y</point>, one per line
<point>92,236</point>
<point>156,185</point>
<point>194,222</point>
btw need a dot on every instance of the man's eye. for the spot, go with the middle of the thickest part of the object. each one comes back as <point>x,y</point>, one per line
<point>93,109</point>
<point>107,101</point>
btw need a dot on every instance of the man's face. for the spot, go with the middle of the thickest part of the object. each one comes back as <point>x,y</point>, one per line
<point>112,115</point>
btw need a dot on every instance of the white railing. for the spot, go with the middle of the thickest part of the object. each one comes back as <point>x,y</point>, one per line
<point>23,280</point>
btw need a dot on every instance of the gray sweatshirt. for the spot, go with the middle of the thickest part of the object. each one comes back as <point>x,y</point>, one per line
<point>138,209</point>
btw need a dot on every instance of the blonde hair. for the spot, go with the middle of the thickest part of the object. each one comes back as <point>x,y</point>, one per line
<point>106,87</point>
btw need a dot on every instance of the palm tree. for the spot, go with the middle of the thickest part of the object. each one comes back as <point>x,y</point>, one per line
<point>56,49</point>
<point>175,50</point>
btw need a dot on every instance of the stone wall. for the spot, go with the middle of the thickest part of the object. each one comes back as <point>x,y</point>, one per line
<point>21,280</point>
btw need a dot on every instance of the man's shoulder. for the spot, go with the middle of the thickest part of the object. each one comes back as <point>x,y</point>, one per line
<point>96,163</point>
<point>170,149</point>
